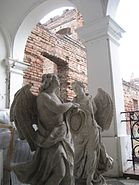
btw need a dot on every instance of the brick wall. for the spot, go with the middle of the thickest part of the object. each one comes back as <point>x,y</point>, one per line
<point>131,95</point>
<point>131,99</point>
<point>47,52</point>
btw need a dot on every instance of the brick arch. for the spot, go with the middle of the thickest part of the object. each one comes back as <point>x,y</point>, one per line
<point>48,52</point>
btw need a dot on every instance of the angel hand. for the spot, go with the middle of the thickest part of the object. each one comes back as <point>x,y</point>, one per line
<point>75,107</point>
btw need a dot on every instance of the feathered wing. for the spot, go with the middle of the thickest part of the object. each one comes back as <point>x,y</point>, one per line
<point>104,112</point>
<point>24,113</point>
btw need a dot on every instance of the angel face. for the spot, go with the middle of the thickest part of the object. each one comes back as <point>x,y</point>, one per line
<point>49,82</point>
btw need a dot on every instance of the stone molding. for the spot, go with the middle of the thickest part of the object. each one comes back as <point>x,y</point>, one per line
<point>16,66</point>
<point>105,27</point>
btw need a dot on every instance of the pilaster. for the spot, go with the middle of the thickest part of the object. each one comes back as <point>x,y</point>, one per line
<point>105,27</point>
<point>101,38</point>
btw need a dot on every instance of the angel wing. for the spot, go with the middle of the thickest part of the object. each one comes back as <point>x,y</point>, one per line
<point>24,113</point>
<point>104,112</point>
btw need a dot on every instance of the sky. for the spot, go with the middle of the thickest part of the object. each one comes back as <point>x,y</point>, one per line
<point>127,17</point>
<point>54,13</point>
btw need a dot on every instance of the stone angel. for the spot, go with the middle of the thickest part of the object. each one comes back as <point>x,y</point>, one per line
<point>93,116</point>
<point>41,121</point>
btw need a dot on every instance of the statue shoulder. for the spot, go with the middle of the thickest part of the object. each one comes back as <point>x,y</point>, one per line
<point>43,96</point>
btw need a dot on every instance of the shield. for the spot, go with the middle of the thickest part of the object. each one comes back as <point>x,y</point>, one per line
<point>76,120</point>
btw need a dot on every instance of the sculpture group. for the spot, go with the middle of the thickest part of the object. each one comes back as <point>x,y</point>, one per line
<point>65,137</point>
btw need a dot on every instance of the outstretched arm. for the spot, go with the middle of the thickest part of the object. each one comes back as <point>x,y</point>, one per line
<point>55,106</point>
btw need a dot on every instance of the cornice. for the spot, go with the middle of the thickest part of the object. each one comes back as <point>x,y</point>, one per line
<point>104,27</point>
<point>16,64</point>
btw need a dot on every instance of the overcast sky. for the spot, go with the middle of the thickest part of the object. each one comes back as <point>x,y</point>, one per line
<point>127,18</point>
<point>54,13</point>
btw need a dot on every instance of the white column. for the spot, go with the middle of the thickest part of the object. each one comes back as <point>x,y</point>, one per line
<point>101,40</point>
<point>16,71</point>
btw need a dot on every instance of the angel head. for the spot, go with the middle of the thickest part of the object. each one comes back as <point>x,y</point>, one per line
<point>50,81</point>
<point>78,87</point>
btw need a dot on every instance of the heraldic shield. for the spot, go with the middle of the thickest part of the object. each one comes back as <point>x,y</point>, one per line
<point>76,120</point>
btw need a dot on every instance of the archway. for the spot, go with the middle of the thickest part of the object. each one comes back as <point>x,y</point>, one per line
<point>101,35</point>
<point>30,22</point>
<point>24,30</point>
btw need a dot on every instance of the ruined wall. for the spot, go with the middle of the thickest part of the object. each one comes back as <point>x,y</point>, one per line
<point>131,96</point>
<point>131,99</point>
<point>48,52</point>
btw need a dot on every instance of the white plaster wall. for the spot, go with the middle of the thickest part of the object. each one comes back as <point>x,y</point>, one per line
<point>126,152</point>
<point>104,69</point>
<point>90,9</point>
<point>16,82</point>
<point>101,41</point>
<point>2,72</point>
<point>111,145</point>
<point>98,69</point>
<point>118,89</point>
<point>30,21</point>
<point>98,66</point>
<point>119,148</point>
<point>112,7</point>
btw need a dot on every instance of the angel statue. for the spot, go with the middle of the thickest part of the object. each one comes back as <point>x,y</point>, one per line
<point>93,115</point>
<point>41,121</point>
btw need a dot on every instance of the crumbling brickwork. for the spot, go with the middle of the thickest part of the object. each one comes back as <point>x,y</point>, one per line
<point>47,51</point>
<point>131,99</point>
<point>131,96</point>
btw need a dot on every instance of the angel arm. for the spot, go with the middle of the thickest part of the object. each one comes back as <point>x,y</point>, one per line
<point>54,106</point>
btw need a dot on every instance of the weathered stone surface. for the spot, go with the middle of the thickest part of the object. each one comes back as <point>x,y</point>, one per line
<point>86,124</point>
<point>51,141</point>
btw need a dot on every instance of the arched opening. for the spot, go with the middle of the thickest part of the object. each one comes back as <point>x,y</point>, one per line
<point>30,22</point>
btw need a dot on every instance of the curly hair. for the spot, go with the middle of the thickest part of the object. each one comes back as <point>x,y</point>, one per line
<point>46,81</point>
